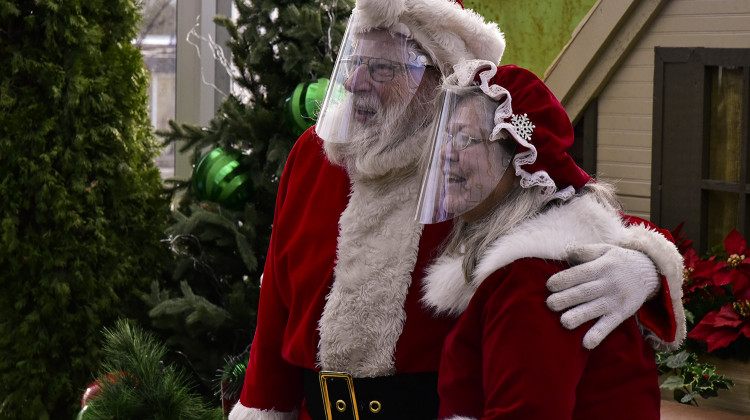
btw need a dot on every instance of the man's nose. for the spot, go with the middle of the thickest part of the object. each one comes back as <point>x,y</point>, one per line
<point>359,80</point>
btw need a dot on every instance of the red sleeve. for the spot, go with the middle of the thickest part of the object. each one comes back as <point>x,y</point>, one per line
<point>270,381</point>
<point>657,314</point>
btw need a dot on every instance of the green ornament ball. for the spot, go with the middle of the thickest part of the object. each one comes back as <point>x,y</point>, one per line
<point>301,109</point>
<point>219,177</point>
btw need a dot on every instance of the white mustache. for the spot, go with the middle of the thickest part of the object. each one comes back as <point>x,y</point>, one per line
<point>367,103</point>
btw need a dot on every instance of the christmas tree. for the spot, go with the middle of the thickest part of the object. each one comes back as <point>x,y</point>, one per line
<point>81,208</point>
<point>222,223</point>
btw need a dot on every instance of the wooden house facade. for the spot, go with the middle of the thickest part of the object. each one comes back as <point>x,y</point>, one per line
<point>658,92</point>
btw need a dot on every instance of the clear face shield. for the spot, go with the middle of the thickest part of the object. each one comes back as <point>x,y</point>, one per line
<point>466,159</point>
<point>375,77</point>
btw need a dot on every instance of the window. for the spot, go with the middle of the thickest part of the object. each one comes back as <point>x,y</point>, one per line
<point>180,45</point>
<point>583,150</point>
<point>700,162</point>
<point>157,40</point>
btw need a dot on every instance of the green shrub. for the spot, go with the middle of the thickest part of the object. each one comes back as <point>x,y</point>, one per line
<point>81,205</point>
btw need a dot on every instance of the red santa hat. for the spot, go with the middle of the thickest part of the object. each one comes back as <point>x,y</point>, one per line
<point>531,115</point>
<point>443,28</point>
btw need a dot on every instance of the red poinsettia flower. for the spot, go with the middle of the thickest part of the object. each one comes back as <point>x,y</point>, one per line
<point>736,269</point>
<point>697,273</point>
<point>719,328</point>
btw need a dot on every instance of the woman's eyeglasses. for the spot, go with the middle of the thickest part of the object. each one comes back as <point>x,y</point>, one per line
<point>461,141</point>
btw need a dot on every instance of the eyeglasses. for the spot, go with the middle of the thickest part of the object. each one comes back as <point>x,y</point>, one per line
<point>461,141</point>
<point>380,69</point>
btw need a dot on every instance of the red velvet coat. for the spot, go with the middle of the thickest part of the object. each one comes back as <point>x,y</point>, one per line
<point>299,273</point>
<point>509,358</point>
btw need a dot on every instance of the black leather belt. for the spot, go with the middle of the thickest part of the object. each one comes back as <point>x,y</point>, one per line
<point>338,396</point>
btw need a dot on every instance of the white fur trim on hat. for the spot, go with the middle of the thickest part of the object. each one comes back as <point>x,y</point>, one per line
<point>442,28</point>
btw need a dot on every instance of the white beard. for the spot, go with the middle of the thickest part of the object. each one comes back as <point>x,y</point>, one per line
<point>391,144</point>
<point>364,312</point>
<point>378,243</point>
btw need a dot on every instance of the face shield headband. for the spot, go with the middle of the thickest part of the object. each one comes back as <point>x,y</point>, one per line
<point>468,156</point>
<point>376,75</point>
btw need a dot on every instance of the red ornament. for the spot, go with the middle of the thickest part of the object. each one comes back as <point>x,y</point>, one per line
<point>95,388</point>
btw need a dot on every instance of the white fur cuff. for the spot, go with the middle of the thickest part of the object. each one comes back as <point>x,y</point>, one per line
<point>240,412</point>
<point>669,263</point>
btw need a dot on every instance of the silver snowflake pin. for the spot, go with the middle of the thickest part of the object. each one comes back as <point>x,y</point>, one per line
<point>523,126</point>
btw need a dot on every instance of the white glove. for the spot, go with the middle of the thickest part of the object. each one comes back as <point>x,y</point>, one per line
<point>606,282</point>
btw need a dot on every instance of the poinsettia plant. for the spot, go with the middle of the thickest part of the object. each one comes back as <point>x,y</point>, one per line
<point>716,296</point>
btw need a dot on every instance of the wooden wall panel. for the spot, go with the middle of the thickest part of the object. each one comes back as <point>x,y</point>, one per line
<point>625,122</point>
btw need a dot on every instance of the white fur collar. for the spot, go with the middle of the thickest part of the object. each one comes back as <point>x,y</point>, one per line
<point>582,220</point>
<point>377,249</point>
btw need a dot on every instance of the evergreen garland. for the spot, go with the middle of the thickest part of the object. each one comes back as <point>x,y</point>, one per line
<point>81,205</point>
<point>209,309</point>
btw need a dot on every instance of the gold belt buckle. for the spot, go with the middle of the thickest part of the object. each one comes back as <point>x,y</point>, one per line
<point>327,377</point>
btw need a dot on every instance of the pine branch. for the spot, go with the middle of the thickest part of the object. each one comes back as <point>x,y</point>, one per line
<point>138,385</point>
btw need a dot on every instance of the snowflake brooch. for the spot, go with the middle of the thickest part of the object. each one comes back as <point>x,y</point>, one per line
<point>523,126</point>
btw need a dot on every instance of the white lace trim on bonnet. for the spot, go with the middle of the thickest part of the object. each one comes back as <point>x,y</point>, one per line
<point>519,126</point>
